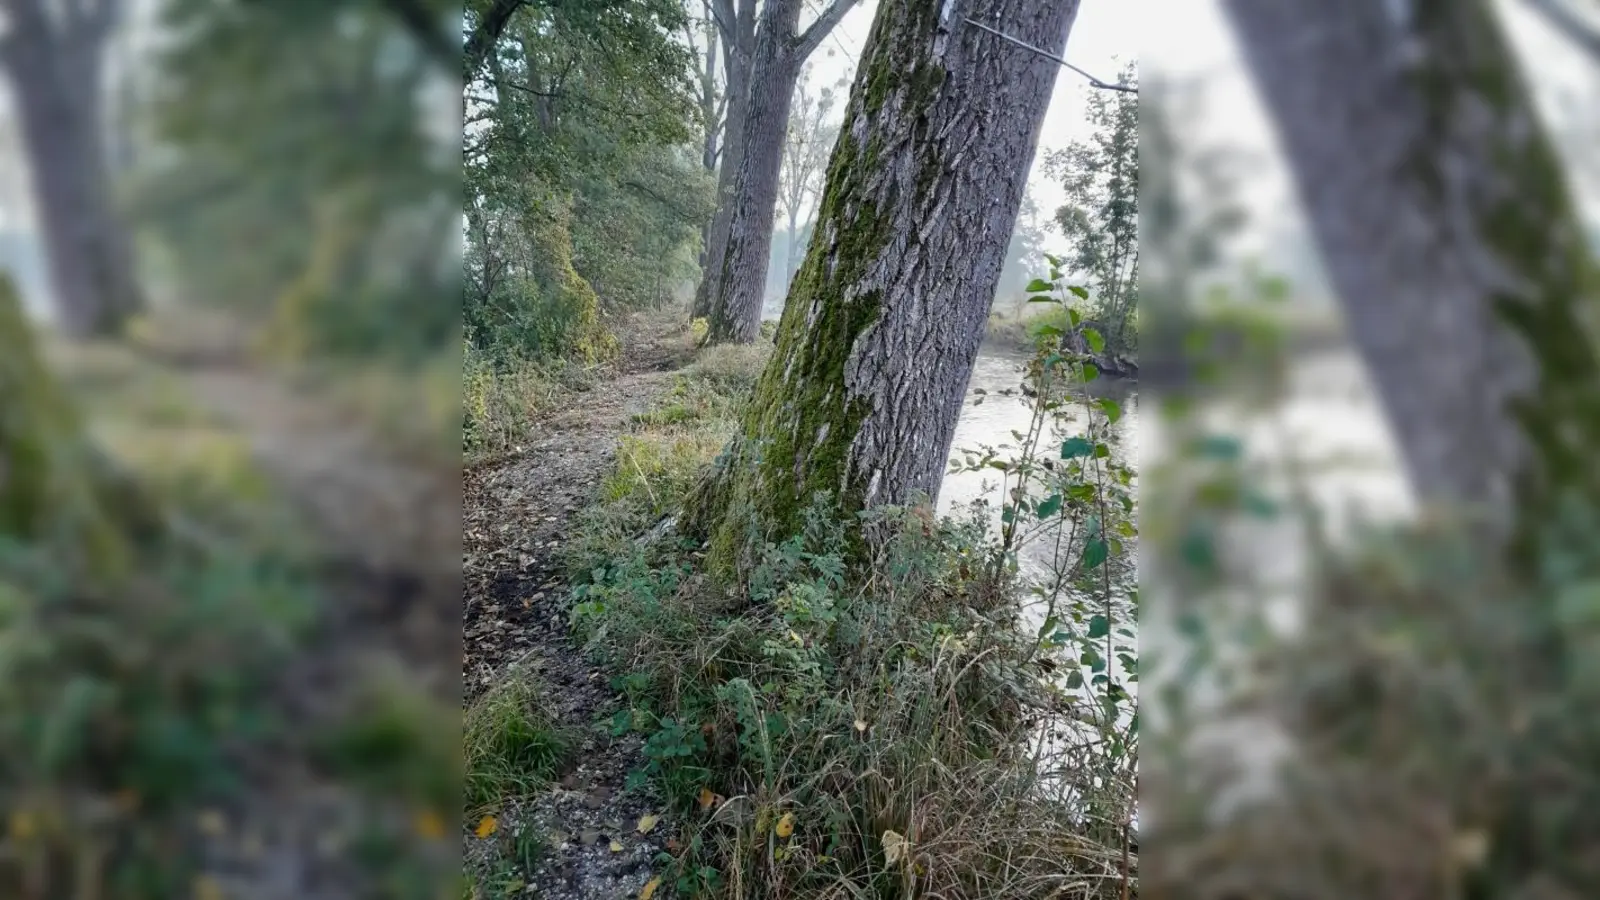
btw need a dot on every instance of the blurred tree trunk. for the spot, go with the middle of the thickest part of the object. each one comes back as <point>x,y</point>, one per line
<point>54,57</point>
<point>736,260</point>
<point>1447,228</point>
<point>883,323</point>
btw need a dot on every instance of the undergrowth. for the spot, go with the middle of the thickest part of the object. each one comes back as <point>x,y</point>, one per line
<point>915,726</point>
<point>135,699</point>
<point>513,748</point>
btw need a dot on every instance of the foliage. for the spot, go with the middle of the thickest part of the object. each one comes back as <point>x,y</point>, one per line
<point>583,195</point>
<point>512,747</point>
<point>910,724</point>
<point>294,130</point>
<point>1101,215</point>
<point>502,396</point>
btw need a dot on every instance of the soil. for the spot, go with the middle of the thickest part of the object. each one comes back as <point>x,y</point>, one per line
<point>519,512</point>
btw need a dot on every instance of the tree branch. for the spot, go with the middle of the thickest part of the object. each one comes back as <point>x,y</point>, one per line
<point>1576,28</point>
<point>812,38</point>
<point>1093,81</point>
<point>483,38</point>
<point>675,208</point>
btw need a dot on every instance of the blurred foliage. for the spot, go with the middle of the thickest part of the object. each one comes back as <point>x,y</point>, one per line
<point>290,176</point>
<point>584,194</point>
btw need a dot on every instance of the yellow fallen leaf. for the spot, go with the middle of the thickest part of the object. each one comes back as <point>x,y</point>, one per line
<point>1471,848</point>
<point>429,825</point>
<point>211,823</point>
<point>616,846</point>
<point>22,826</point>
<point>861,725</point>
<point>650,888</point>
<point>894,847</point>
<point>785,825</point>
<point>207,888</point>
<point>486,826</point>
<point>648,822</point>
<point>707,798</point>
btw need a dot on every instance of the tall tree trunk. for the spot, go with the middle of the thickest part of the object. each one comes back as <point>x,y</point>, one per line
<point>738,43</point>
<point>739,284</point>
<point>773,69</point>
<point>55,68</point>
<point>1448,231</point>
<point>883,323</point>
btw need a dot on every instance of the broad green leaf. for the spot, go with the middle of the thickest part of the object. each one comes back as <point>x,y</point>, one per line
<point>1220,447</point>
<point>1049,506</point>
<point>1096,340</point>
<point>1037,285</point>
<point>1099,627</point>
<point>1095,552</point>
<point>1075,447</point>
<point>1111,408</point>
<point>1043,298</point>
<point>1073,317</point>
<point>1080,290</point>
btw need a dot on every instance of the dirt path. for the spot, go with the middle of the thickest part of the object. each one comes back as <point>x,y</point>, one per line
<point>518,515</point>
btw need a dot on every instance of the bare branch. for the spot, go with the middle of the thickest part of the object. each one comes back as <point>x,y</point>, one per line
<point>1093,81</point>
<point>812,38</point>
<point>723,14</point>
<point>1582,31</point>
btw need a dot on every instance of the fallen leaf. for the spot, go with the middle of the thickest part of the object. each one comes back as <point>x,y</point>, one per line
<point>673,846</point>
<point>22,826</point>
<point>486,826</point>
<point>707,798</point>
<point>650,888</point>
<point>429,825</point>
<point>211,823</point>
<point>861,725</point>
<point>616,846</point>
<point>646,823</point>
<point>1471,848</point>
<point>894,847</point>
<point>785,825</point>
<point>207,888</point>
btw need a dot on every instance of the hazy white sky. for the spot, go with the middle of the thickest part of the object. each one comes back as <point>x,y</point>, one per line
<point>1189,40</point>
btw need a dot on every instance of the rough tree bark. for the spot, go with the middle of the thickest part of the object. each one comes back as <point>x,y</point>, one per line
<point>737,26</point>
<point>748,190</point>
<point>741,278</point>
<point>1445,224</point>
<point>54,59</point>
<point>883,323</point>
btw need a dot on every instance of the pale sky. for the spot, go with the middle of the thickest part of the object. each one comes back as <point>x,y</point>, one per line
<point>1189,40</point>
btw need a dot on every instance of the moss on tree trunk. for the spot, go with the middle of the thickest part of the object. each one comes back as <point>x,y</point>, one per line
<point>55,489</point>
<point>586,332</point>
<point>883,321</point>
<point>1445,222</point>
